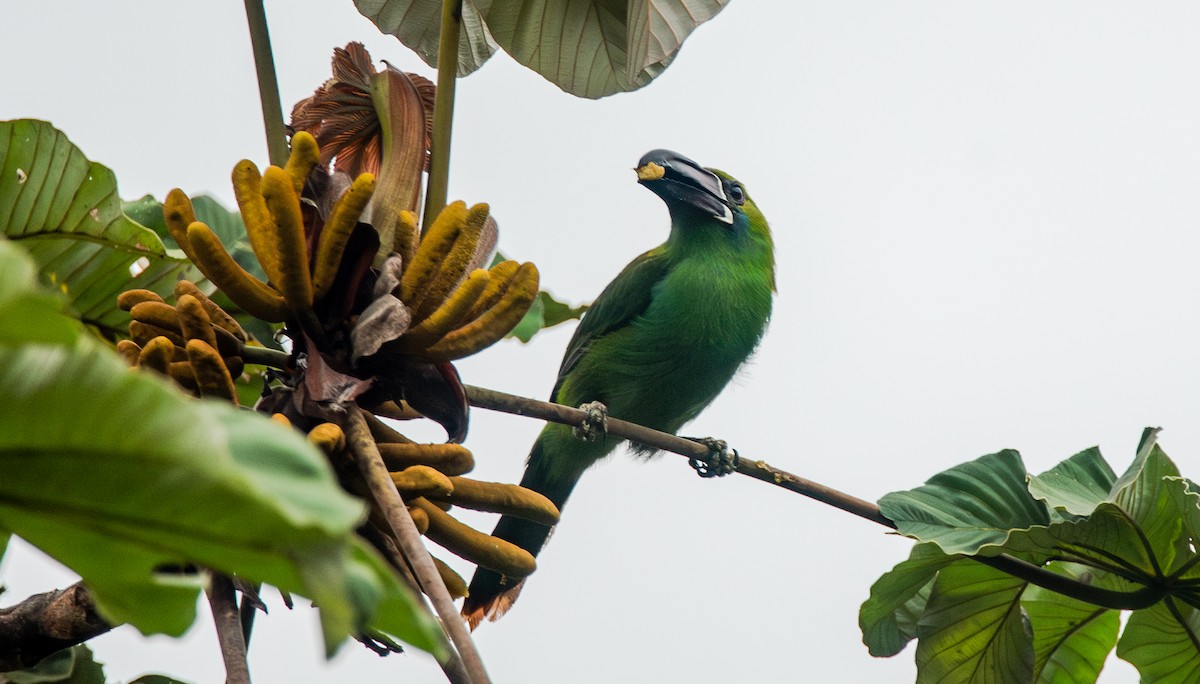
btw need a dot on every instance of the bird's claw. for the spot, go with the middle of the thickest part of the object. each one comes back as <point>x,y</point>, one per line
<point>720,461</point>
<point>595,425</point>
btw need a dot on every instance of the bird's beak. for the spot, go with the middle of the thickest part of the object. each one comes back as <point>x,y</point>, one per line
<point>682,182</point>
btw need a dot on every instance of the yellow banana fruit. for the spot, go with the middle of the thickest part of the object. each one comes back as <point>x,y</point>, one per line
<point>419,519</point>
<point>450,459</point>
<point>178,214</point>
<point>328,437</point>
<point>336,233</point>
<point>421,480</point>
<point>130,298</point>
<point>142,333</point>
<point>435,244</point>
<point>408,234</point>
<point>479,548</point>
<point>156,354</point>
<point>216,314</point>
<point>256,298</point>
<point>305,155</point>
<point>182,373</point>
<point>159,314</point>
<point>454,582</point>
<point>260,229</point>
<point>449,315</point>
<point>283,204</point>
<point>194,322</point>
<point>492,324</point>
<point>452,266</point>
<point>498,497</point>
<point>501,277</point>
<point>212,375</point>
<point>130,351</point>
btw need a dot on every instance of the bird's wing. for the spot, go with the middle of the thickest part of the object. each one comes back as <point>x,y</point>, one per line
<point>625,298</point>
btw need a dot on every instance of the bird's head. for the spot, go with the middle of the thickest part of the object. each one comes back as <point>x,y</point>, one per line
<point>693,192</point>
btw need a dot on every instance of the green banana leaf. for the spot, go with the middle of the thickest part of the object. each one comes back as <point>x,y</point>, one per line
<point>64,211</point>
<point>120,476</point>
<point>588,48</point>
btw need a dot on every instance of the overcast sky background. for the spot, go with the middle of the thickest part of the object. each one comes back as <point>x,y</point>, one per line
<point>986,227</point>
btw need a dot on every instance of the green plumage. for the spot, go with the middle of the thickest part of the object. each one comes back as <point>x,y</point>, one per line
<point>659,343</point>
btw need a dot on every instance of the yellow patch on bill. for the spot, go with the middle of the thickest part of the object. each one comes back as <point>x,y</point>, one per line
<point>650,171</point>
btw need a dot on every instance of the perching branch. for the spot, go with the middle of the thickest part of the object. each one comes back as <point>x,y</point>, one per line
<point>443,111</point>
<point>361,446</point>
<point>45,623</point>
<point>760,470</point>
<point>223,602</point>
<point>268,86</point>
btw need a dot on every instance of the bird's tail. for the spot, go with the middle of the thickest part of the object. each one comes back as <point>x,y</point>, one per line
<point>491,594</point>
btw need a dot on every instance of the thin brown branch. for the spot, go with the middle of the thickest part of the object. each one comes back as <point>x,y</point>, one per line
<point>469,668</point>
<point>45,623</point>
<point>223,602</point>
<point>761,470</point>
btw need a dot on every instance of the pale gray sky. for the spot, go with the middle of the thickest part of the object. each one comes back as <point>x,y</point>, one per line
<point>985,216</point>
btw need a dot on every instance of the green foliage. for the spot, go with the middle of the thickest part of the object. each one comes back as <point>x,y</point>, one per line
<point>1131,540</point>
<point>589,48</point>
<point>545,312</point>
<point>1071,638</point>
<point>118,475</point>
<point>64,210</point>
<point>75,665</point>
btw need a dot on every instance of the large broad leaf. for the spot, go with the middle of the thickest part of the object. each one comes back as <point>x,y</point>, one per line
<point>417,23</point>
<point>118,475</point>
<point>973,629</point>
<point>1077,485</point>
<point>589,48</point>
<point>64,210</point>
<point>968,507</point>
<point>887,617</point>
<point>1136,535</point>
<point>593,48</point>
<point>30,313</point>
<point>1071,638</point>
<point>1161,642</point>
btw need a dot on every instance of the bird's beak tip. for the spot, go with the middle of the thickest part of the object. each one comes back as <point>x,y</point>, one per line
<point>650,171</point>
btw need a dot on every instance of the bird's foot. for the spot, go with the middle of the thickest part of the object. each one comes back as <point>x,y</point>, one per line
<point>720,461</point>
<point>595,425</point>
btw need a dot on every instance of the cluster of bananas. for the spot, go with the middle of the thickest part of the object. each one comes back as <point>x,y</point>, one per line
<point>195,343</point>
<point>454,313</point>
<point>451,308</point>
<point>430,480</point>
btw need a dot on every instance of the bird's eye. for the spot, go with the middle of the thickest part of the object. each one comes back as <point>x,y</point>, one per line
<point>737,194</point>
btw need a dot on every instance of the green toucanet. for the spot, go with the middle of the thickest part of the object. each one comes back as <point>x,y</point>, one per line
<point>659,343</point>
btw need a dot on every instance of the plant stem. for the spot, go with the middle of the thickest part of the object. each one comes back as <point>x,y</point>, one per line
<point>366,456</point>
<point>268,85</point>
<point>264,356</point>
<point>760,470</point>
<point>443,111</point>
<point>223,602</point>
